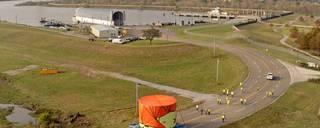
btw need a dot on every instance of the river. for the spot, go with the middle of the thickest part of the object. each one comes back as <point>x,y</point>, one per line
<point>30,15</point>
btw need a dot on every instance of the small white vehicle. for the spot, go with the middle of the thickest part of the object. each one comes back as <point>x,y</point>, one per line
<point>270,76</point>
<point>119,41</point>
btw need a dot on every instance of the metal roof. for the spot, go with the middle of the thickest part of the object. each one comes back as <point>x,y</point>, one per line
<point>102,27</point>
<point>95,13</point>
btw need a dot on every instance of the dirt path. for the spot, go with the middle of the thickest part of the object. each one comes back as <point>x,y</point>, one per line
<point>21,70</point>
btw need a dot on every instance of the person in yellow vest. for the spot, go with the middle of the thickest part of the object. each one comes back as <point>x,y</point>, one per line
<point>241,89</point>
<point>197,107</point>
<point>241,100</point>
<point>232,94</point>
<point>227,91</point>
<point>228,102</point>
<point>208,111</point>
<point>244,101</point>
<point>223,117</point>
<point>223,91</point>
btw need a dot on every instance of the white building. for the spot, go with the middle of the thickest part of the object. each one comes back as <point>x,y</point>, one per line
<point>103,31</point>
<point>108,18</point>
<point>217,11</point>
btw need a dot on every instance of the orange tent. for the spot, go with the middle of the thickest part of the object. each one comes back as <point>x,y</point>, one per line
<point>152,108</point>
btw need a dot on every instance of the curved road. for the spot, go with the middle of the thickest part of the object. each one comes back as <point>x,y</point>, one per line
<point>255,88</point>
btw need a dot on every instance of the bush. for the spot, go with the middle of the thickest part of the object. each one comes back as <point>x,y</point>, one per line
<point>317,81</point>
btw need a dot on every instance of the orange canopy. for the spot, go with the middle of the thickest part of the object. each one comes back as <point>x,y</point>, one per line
<point>151,108</point>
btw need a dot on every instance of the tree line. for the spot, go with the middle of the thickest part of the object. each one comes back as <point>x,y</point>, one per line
<point>302,6</point>
<point>308,41</point>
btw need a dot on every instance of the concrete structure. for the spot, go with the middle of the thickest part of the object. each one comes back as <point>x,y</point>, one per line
<point>109,18</point>
<point>103,31</point>
<point>183,22</point>
<point>217,11</point>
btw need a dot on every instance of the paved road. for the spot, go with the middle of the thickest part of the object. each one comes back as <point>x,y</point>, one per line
<point>255,88</point>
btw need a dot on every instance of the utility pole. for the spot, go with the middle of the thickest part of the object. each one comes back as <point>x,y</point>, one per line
<point>16,19</point>
<point>217,77</point>
<point>137,98</point>
<point>214,46</point>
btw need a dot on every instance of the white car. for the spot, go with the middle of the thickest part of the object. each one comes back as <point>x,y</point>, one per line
<point>119,41</point>
<point>270,76</point>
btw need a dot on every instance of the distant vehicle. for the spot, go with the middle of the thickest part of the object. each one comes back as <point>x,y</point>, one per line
<point>180,126</point>
<point>142,38</point>
<point>119,41</point>
<point>270,76</point>
<point>133,38</point>
<point>134,125</point>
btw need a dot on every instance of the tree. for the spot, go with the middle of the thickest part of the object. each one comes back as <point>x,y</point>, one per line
<point>301,19</point>
<point>303,41</point>
<point>317,23</point>
<point>294,32</point>
<point>150,34</point>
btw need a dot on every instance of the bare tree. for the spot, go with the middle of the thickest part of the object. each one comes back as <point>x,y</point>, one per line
<point>150,34</point>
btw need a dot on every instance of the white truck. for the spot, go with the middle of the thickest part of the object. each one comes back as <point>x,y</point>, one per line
<point>270,76</point>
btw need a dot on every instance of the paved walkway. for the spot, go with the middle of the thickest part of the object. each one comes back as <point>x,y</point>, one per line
<point>255,86</point>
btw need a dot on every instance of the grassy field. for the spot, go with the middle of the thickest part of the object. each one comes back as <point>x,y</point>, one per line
<point>203,32</point>
<point>180,65</point>
<point>183,66</point>
<point>146,43</point>
<point>262,33</point>
<point>3,121</point>
<point>74,92</point>
<point>308,21</point>
<point>298,108</point>
<point>285,19</point>
<point>284,56</point>
<point>218,31</point>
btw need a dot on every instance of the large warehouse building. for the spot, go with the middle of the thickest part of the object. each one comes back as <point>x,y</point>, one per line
<point>103,31</point>
<point>109,18</point>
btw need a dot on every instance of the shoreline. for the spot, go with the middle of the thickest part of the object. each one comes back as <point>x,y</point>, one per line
<point>128,6</point>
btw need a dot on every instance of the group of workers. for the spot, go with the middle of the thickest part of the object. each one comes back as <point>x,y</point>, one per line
<point>229,94</point>
<point>208,112</point>
<point>203,111</point>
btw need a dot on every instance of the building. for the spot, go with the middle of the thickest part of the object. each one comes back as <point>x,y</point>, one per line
<point>103,31</point>
<point>94,16</point>
<point>217,11</point>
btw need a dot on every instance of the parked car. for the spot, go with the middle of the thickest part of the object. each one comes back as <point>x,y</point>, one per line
<point>180,126</point>
<point>133,38</point>
<point>134,125</point>
<point>270,76</point>
<point>119,41</point>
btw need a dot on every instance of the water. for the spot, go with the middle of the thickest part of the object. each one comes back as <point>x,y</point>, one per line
<point>30,15</point>
<point>19,116</point>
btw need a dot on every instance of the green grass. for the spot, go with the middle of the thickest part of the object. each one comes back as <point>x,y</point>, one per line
<point>298,108</point>
<point>262,33</point>
<point>183,66</point>
<point>308,21</point>
<point>73,92</point>
<point>146,43</point>
<point>284,56</point>
<point>285,19</point>
<point>202,33</point>
<point>218,31</point>
<point>3,122</point>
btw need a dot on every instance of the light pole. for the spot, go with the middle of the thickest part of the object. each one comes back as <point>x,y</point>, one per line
<point>217,77</point>
<point>214,46</point>
<point>137,97</point>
